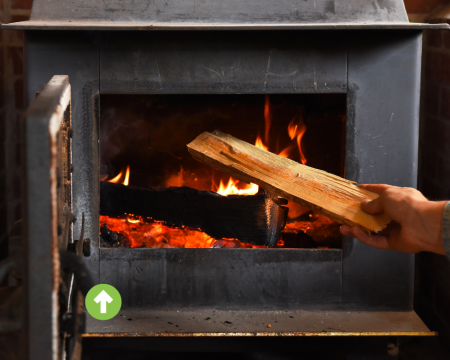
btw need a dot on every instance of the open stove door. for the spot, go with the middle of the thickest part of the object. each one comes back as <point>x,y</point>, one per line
<point>55,278</point>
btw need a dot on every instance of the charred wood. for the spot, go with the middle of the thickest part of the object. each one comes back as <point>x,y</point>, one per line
<point>256,219</point>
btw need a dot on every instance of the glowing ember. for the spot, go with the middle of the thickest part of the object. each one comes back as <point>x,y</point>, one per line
<point>317,230</point>
<point>131,221</point>
<point>136,233</point>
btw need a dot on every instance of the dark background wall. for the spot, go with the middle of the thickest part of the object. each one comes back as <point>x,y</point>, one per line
<point>432,286</point>
<point>432,300</point>
<point>11,106</point>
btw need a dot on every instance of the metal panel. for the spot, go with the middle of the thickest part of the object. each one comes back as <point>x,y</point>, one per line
<point>382,141</point>
<point>383,79</point>
<point>135,25</point>
<point>42,181</point>
<point>224,278</point>
<point>228,11</point>
<point>254,323</point>
<point>76,55</point>
<point>239,62</point>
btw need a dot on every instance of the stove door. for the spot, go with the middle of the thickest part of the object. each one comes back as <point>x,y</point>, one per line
<point>53,320</point>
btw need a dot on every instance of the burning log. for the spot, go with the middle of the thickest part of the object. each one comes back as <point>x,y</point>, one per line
<point>256,219</point>
<point>324,193</point>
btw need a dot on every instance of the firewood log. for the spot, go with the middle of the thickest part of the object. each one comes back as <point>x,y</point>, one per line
<point>255,219</point>
<point>324,193</point>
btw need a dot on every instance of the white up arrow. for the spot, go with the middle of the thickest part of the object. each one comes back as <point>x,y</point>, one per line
<point>102,298</point>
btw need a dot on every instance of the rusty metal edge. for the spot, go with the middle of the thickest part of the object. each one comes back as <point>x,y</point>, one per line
<point>108,25</point>
<point>260,334</point>
<point>41,123</point>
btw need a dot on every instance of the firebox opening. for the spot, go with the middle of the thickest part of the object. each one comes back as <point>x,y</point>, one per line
<point>143,143</point>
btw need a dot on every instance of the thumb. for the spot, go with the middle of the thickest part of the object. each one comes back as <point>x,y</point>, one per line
<point>373,207</point>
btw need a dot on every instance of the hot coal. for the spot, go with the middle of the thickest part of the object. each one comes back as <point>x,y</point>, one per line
<point>109,238</point>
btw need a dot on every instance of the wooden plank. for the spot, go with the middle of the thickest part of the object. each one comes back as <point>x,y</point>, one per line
<point>327,194</point>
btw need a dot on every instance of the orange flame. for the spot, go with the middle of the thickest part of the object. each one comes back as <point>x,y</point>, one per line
<point>127,176</point>
<point>118,178</point>
<point>287,151</point>
<point>292,129</point>
<point>260,144</point>
<point>299,143</point>
<point>298,130</point>
<point>231,188</point>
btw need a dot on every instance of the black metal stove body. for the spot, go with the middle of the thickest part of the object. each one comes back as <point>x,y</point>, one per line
<point>374,59</point>
<point>378,70</point>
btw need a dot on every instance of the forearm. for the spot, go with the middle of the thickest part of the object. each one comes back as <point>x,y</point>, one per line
<point>428,225</point>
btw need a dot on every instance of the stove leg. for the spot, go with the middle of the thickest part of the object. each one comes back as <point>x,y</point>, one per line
<point>374,348</point>
<point>393,349</point>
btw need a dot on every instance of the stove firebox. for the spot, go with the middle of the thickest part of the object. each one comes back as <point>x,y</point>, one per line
<point>143,143</point>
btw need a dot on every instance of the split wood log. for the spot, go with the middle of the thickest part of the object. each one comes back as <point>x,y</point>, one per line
<point>327,194</point>
<point>256,219</point>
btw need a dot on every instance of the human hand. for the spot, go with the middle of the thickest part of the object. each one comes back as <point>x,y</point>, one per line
<point>416,222</point>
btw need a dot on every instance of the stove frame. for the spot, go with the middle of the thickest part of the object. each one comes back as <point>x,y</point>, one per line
<point>381,147</point>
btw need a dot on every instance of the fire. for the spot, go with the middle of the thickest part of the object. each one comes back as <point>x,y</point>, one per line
<point>136,233</point>
<point>292,129</point>
<point>144,233</point>
<point>132,221</point>
<point>296,129</point>
<point>231,188</point>
<point>118,178</point>
<point>127,176</point>
<point>286,152</point>
<point>260,144</point>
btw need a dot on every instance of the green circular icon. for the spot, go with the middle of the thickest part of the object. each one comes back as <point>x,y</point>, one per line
<point>103,302</point>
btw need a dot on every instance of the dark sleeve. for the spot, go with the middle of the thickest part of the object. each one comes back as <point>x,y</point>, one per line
<point>446,229</point>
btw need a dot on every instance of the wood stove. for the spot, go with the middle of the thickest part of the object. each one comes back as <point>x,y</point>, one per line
<point>356,60</point>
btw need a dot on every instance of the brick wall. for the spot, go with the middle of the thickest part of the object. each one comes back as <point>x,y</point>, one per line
<point>418,10</point>
<point>11,106</point>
